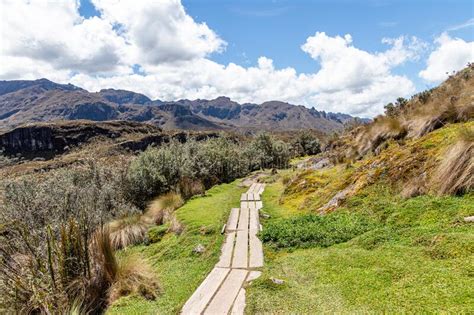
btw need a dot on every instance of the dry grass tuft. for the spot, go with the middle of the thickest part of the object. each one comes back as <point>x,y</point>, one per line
<point>160,209</point>
<point>415,187</point>
<point>455,173</point>
<point>176,227</point>
<point>127,231</point>
<point>188,187</point>
<point>134,276</point>
<point>370,138</point>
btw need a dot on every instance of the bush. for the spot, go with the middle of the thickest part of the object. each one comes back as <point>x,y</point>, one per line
<point>315,230</point>
<point>193,166</point>
<point>92,192</point>
<point>269,152</point>
<point>305,144</point>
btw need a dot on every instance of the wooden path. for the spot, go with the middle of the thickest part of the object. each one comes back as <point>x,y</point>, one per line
<point>222,291</point>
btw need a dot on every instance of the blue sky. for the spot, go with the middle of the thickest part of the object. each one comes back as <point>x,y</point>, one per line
<point>340,55</point>
<point>277,28</point>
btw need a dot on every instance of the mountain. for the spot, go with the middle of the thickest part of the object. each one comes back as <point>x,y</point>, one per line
<point>42,100</point>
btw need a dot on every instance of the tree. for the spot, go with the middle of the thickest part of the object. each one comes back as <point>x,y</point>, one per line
<point>306,144</point>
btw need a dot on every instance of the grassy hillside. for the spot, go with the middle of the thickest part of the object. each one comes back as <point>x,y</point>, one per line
<point>414,253</point>
<point>179,270</point>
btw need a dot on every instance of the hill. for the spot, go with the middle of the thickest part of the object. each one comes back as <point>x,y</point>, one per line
<point>42,100</point>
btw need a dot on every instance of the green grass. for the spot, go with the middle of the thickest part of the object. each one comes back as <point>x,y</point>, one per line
<point>417,258</point>
<point>314,230</point>
<point>420,258</point>
<point>178,269</point>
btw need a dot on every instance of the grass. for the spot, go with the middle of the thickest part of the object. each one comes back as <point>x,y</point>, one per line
<point>177,268</point>
<point>417,258</point>
<point>314,230</point>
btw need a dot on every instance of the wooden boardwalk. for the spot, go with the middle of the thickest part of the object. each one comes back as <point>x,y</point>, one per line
<point>222,291</point>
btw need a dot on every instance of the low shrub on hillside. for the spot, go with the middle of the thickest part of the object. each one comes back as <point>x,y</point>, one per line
<point>305,144</point>
<point>315,230</point>
<point>185,167</point>
<point>91,191</point>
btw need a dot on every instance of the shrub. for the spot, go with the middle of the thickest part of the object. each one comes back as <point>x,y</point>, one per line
<point>270,153</point>
<point>306,144</point>
<point>90,191</point>
<point>315,230</point>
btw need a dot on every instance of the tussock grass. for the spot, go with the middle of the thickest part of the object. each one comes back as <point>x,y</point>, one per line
<point>455,173</point>
<point>160,209</point>
<point>372,136</point>
<point>129,230</point>
<point>134,276</point>
<point>449,103</point>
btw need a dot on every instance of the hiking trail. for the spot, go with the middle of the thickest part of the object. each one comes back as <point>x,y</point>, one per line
<point>222,291</point>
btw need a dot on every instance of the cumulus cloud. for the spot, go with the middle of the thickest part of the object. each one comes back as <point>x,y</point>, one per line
<point>451,54</point>
<point>44,39</point>
<point>55,33</point>
<point>160,31</point>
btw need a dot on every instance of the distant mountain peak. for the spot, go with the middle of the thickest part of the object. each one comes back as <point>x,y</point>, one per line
<point>24,101</point>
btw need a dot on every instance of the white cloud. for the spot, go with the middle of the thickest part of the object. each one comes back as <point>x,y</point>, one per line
<point>160,30</point>
<point>46,39</point>
<point>451,54</point>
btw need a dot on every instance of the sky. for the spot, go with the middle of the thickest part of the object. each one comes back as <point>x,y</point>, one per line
<point>348,56</point>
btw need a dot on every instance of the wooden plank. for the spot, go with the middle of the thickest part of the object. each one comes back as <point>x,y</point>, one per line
<point>226,251</point>
<point>240,259</point>
<point>252,205</point>
<point>254,219</point>
<point>233,219</point>
<point>243,197</point>
<point>254,274</point>
<point>259,205</point>
<point>256,252</point>
<point>243,219</point>
<point>204,293</point>
<point>226,295</point>
<point>239,304</point>
<point>252,188</point>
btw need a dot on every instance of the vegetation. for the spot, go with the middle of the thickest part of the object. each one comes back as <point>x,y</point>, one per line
<point>192,166</point>
<point>178,268</point>
<point>315,230</point>
<point>423,113</point>
<point>74,272</point>
<point>455,173</point>
<point>410,253</point>
<point>305,144</point>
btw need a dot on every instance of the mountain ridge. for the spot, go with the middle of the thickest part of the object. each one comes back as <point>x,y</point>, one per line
<point>23,101</point>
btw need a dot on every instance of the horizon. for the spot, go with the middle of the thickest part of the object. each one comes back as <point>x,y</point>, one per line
<point>313,53</point>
